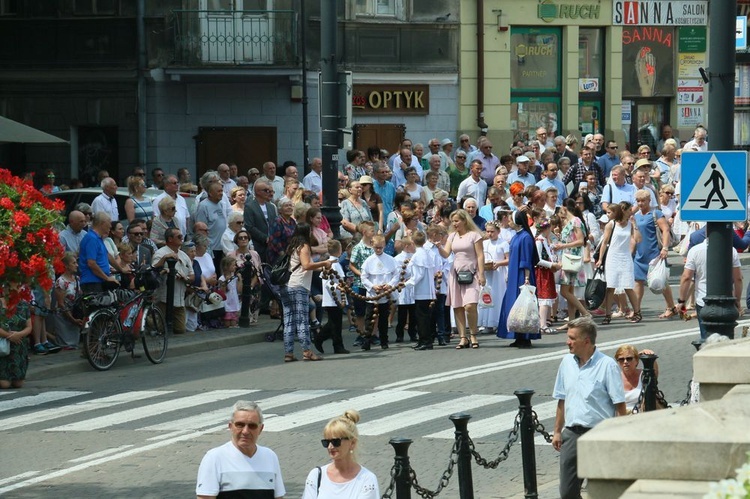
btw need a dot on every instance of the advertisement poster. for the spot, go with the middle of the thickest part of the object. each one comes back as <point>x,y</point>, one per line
<point>650,52</point>
<point>688,64</point>
<point>690,116</point>
<point>690,92</point>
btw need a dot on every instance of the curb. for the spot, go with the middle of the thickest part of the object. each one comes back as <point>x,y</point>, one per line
<point>40,370</point>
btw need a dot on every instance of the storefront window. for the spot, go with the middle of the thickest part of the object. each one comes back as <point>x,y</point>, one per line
<point>649,51</point>
<point>590,80</point>
<point>529,113</point>
<point>535,81</point>
<point>742,105</point>
<point>535,59</point>
<point>590,53</point>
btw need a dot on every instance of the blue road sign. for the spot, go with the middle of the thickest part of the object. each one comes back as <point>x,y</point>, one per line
<point>714,186</point>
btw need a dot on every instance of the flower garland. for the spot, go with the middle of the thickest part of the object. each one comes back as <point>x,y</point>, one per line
<point>732,487</point>
<point>29,244</point>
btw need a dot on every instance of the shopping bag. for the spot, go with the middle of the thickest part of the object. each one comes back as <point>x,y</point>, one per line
<point>596,288</point>
<point>524,315</point>
<point>657,276</point>
<point>485,297</point>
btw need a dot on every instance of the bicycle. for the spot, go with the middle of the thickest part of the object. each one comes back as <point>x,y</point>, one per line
<point>119,318</point>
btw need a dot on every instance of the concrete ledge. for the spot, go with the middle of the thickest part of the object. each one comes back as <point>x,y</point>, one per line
<point>666,489</point>
<point>719,366</point>
<point>706,441</point>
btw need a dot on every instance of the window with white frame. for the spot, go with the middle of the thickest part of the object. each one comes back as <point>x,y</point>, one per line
<point>378,8</point>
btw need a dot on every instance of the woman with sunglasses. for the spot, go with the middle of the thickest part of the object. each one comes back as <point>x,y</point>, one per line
<point>343,477</point>
<point>627,357</point>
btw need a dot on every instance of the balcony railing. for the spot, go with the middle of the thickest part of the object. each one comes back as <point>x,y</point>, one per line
<point>219,37</point>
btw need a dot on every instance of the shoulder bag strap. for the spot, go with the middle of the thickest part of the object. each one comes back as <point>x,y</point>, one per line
<point>320,477</point>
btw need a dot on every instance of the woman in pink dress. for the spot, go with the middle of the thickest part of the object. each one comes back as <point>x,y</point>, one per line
<point>468,256</point>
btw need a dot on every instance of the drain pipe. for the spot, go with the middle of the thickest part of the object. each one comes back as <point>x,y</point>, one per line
<point>141,91</point>
<point>305,124</point>
<point>483,127</point>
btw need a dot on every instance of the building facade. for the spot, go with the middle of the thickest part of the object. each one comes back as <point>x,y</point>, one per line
<point>621,68</point>
<point>193,83</point>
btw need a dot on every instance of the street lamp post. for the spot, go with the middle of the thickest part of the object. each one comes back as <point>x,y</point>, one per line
<point>719,314</point>
<point>329,112</point>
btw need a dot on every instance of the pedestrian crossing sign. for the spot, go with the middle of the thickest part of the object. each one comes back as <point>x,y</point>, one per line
<point>714,186</point>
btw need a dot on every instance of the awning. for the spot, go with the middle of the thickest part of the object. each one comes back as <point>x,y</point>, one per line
<point>13,131</point>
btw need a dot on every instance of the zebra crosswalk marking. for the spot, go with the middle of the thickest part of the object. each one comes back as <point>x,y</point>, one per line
<point>151,410</point>
<point>41,398</point>
<point>426,413</point>
<point>222,415</point>
<point>326,411</point>
<point>497,424</point>
<point>70,410</point>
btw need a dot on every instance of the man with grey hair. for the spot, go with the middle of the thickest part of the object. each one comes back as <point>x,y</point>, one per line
<point>465,145</point>
<point>241,467</point>
<point>434,145</point>
<point>269,175</point>
<point>259,213</point>
<point>226,180</point>
<point>211,212</point>
<point>313,181</point>
<point>588,389</point>
<point>93,258</point>
<point>444,181</point>
<point>562,151</point>
<point>106,201</point>
<point>73,234</point>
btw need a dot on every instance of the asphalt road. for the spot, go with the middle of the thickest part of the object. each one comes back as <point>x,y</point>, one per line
<point>141,430</point>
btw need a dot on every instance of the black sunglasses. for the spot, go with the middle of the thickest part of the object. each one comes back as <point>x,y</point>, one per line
<point>336,442</point>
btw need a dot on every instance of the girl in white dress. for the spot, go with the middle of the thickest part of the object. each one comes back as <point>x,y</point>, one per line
<point>618,258</point>
<point>496,263</point>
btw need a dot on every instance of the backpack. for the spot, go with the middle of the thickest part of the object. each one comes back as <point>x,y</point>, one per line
<point>280,272</point>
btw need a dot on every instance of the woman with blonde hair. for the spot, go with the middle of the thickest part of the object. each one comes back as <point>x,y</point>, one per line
<point>343,477</point>
<point>137,206</point>
<point>466,274</point>
<point>238,196</point>
<point>165,220</point>
<point>627,357</point>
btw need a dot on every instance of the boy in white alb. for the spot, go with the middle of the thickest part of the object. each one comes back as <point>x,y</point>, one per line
<point>422,268</point>
<point>406,295</point>
<point>440,314</point>
<point>334,307</point>
<point>379,272</point>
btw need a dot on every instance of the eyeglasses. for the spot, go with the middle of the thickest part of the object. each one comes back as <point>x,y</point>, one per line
<point>625,359</point>
<point>516,155</point>
<point>139,174</point>
<point>267,190</point>
<point>336,442</point>
<point>158,174</point>
<point>241,426</point>
<point>238,222</point>
<point>243,238</point>
<point>464,140</point>
<point>136,234</point>
<point>614,147</point>
<point>50,176</point>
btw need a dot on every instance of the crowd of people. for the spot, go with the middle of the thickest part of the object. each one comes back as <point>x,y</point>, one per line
<point>438,243</point>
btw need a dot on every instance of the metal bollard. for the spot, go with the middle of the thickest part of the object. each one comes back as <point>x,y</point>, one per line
<point>171,263</point>
<point>528,453</point>
<point>246,293</point>
<point>697,344</point>
<point>403,483</point>
<point>649,395</point>
<point>465,480</point>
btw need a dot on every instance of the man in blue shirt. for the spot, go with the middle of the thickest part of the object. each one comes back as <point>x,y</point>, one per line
<point>610,158</point>
<point>93,261</point>
<point>550,180</point>
<point>383,187</point>
<point>522,173</point>
<point>588,389</point>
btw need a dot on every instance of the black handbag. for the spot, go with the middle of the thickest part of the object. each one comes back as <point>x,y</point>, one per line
<point>464,277</point>
<point>596,289</point>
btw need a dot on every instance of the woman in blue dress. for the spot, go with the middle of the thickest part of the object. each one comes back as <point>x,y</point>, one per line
<point>652,225</point>
<point>521,266</point>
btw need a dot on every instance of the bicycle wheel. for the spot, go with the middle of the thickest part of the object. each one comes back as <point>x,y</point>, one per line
<point>102,340</point>
<point>154,335</point>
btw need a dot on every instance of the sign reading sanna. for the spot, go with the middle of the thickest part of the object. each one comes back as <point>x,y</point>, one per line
<point>660,13</point>
<point>391,99</point>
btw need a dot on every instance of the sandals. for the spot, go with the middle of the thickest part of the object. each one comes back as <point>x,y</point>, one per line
<point>637,317</point>
<point>607,320</point>
<point>290,358</point>
<point>310,355</point>
<point>462,343</point>
<point>669,313</point>
<point>548,330</point>
<point>474,342</point>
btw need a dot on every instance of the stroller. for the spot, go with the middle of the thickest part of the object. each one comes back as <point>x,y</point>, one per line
<point>264,276</point>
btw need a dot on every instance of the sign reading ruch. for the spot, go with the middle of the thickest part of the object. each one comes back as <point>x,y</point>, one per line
<point>391,99</point>
<point>660,13</point>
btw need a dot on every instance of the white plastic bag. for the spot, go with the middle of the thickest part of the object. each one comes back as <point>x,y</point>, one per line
<point>524,316</point>
<point>657,275</point>
<point>485,297</point>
